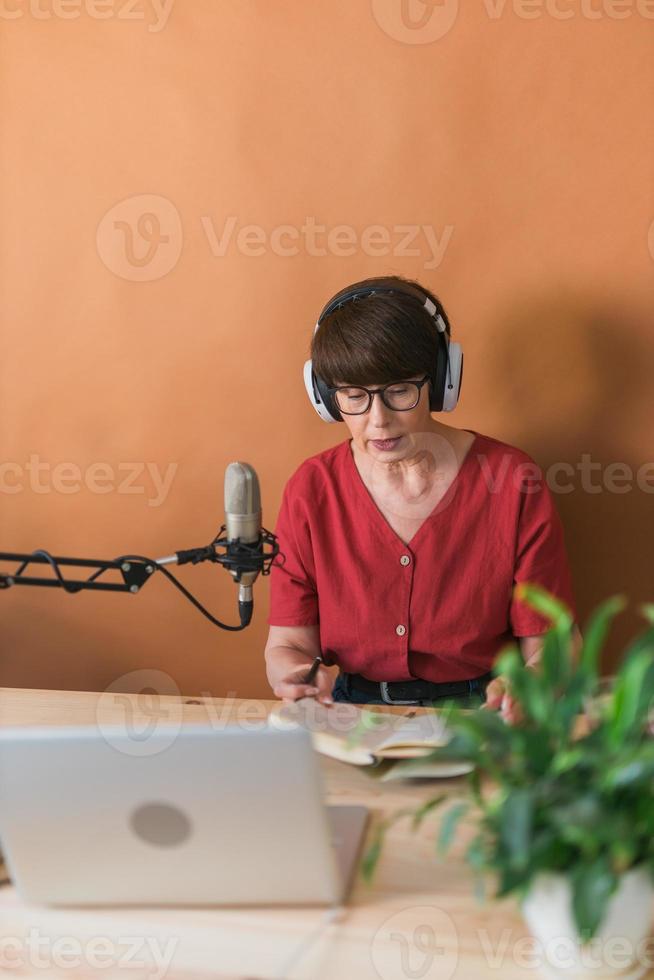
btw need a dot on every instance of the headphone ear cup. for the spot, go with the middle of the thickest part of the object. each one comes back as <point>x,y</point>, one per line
<point>438,376</point>
<point>451,395</point>
<point>320,396</point>
<point>327,399</point>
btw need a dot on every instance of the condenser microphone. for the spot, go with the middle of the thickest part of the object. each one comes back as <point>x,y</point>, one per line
<point>243,526</point>
<point>250,549</point>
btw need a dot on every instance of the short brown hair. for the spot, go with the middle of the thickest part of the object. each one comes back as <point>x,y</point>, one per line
<point>379,338</point>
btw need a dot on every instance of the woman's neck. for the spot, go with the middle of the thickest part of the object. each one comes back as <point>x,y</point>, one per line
<point>431,456</point>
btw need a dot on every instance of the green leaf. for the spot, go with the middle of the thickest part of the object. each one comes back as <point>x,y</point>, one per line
<point>643,642</point>
<point>449,824</point>
<point>545,603</point>
<point>552,664</point>
<point>623,854</point>
<point>367,721</point>
<point>482,725</point>
<point>647,609</point>
<point>476,858</point>
<point>509,662</point>
<point>460,747</point>
<point>571,704</point>
<point>510,880</point>
<point>474,783</point>
<point>592,886</point>
<point>532,752</point>
<point>427,807</point>
<point>373,853</point>
<point>635,768</point>
<point>567,759</point>
<point>596,630</point>
<point>535,696</point>
<point>632,695</point>
<point>515,833</point>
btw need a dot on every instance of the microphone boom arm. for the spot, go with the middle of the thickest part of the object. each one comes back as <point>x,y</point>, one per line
<point>134,574</point>
<point>240,559</point>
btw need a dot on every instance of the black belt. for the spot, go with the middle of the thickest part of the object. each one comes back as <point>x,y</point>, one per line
<point>410,692</point>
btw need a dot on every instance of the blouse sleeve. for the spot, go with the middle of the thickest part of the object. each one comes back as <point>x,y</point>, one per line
<point>293,594</point>
<point>540,556</point>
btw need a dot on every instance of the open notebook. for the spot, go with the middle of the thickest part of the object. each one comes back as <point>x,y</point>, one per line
<point>365,738</point>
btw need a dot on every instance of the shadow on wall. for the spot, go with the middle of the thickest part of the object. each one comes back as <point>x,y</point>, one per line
<point>40,648</point>
<point>156,641</point>
<point>573,382</point>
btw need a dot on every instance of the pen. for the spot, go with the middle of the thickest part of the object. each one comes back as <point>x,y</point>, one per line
<point>313,670</point>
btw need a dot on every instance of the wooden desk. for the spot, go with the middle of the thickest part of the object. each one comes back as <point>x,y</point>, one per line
<point>419,918</point>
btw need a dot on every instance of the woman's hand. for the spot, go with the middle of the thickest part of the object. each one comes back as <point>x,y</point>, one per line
<point>291,687</point>
<point>499,698</point>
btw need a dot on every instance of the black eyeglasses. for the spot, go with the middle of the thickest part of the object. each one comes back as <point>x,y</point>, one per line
<point>399,396</point>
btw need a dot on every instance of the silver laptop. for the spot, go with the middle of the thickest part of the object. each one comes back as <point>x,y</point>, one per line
<point>199,817</point>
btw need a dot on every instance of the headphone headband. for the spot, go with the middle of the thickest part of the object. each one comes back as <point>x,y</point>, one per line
<point>352,294</point>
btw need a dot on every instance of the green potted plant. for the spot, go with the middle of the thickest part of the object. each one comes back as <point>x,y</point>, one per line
<point>562,801</point>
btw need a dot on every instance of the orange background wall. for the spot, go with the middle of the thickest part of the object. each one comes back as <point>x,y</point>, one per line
<point>519,136</point>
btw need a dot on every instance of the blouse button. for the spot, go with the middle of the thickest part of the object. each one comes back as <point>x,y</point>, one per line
<point>405,560</point>
<point>400,630</point>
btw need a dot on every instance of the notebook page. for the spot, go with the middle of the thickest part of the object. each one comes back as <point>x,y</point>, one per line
<point>420,730</point>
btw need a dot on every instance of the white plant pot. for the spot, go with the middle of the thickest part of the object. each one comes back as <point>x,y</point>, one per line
<point>620,948</point>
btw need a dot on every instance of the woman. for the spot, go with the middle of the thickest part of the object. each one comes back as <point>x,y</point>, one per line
<point>402,545</point>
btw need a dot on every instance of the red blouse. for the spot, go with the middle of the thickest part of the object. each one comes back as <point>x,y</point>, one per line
<point>439,608</point>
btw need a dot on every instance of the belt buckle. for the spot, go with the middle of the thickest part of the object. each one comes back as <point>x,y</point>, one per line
<point>387,699</point>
